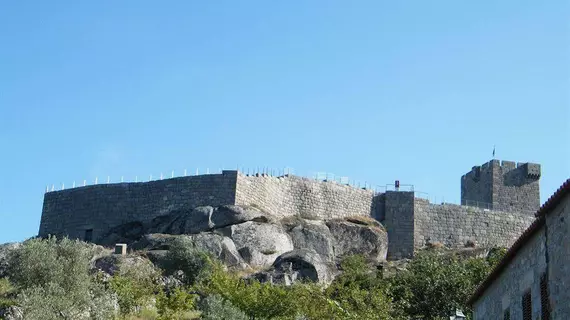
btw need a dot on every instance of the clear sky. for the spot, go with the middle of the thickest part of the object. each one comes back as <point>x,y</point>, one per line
<point>418,91</point>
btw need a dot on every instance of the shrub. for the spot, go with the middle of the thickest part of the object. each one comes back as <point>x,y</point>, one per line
<point>53,302</point>
<point>183,256</point>
<point>258,300</point>
<point>357,293</point>
<point>177,304</point>
<point>54,282</point>
<point>39,262</point>
<point>135,287</point>
<point>6,293</point>
<point>214,307</point>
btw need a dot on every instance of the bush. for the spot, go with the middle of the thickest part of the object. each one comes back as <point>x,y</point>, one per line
<point>40,262</point>
<point>359,293</point>
<point>258,300</point>
<point>183,256</point>
<point>54,283</point>
<point>6,293</point>
<point>177,304</point>
<point>214,307</point>
<point>135,287</point>
<point>52,302</point>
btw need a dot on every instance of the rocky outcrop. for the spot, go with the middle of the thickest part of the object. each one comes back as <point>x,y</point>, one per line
<point>112,264</point>
<point>312,236</point>
<point>352,238</point>
<point>259,243</point>
<point>203,219</point>
<point>249,239</point>
<point>218,246</point>
<point>308,264</point>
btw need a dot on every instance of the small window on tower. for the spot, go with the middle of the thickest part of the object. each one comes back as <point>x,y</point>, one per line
<point>88,235</point>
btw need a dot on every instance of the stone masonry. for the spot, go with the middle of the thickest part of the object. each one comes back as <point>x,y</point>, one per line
<point>523,274</point>
<point>454,226</point>
<point>306,198</point>
<point>98,208</point>
<point>89,212</point>
<point>558,242</point>
<point>503,186</point>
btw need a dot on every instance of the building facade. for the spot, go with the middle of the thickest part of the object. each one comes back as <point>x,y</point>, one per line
<point>533,279</point>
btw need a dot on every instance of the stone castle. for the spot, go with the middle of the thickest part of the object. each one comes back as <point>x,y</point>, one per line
<point>498,200</point>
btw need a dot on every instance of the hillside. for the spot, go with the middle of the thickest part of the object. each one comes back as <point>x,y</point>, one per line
<point>233,262</point>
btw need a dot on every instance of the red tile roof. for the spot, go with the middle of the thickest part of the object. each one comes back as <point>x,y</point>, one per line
<point>547,207</point>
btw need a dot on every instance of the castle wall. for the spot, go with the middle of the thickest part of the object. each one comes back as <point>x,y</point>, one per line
<point>297,196</point>
<point>477,186</point>
<point>516,187</point>
<point>503,186</point>
<point>399,222</point>
<point>101,207</point>
<point>454,225</point>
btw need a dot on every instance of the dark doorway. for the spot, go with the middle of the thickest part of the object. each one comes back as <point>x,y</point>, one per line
<point>88,235</point>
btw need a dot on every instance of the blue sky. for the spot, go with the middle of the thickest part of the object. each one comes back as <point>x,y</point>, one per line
<point>418,91</point>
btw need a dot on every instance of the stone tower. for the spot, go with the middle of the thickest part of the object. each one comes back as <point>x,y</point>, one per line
<point>502,185</point>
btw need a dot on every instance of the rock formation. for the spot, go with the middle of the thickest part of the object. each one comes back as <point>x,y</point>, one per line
<point>279,250</point>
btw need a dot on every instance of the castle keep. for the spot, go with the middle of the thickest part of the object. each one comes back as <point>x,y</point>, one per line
<point>498,200</point>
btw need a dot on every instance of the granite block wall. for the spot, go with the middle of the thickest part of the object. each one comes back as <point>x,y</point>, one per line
<point>100,207</point>
<point>558,242</point>
<point>455,225</point>
<point>296,196</point>
<point>521,275</point>
<point>504,186</point>
<point>399,222</point>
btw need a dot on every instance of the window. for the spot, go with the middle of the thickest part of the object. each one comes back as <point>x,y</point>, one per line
<point>507,314</point>
<point>88,235</point>
<point>527,306</point>
<point>544,297</point>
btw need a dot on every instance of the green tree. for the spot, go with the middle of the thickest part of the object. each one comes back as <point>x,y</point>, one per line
<point>358,292</point>
<point>434,284</point>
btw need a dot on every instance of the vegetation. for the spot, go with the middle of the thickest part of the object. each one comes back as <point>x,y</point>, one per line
<point>52,279</point>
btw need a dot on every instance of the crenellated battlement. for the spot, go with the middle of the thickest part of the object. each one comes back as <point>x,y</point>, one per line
<point>504,185</point>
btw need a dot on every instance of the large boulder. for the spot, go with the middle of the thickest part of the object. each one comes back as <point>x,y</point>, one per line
<point>308,264</point>
<point>201,219</point>
<point>297,265</point>
<point>224,216</point>
<point>114,263</point>
<point>183,221</point>
<point>124,233</point>
<point>220,247</point>
<point>259,243</point>
<point>363,237</point>
<point>311,235</point>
